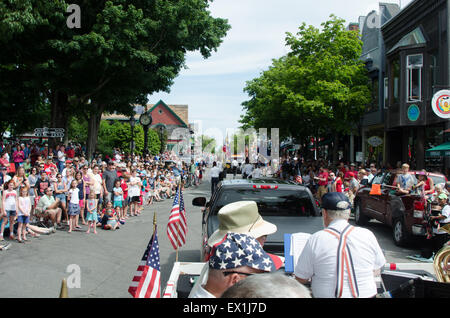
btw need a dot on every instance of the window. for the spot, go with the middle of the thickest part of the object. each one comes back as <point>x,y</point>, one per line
<point>414,64</point>
<point>395,74</point>
<point>374,105</point>
<point>386,92</point>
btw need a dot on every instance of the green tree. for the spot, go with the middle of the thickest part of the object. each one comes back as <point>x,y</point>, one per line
<point>124,51</point>
<point>208,143</point>
<point>320,87</point>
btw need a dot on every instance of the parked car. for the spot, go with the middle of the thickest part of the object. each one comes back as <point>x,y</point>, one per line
<point>404,213</point>
<point>288,205</point>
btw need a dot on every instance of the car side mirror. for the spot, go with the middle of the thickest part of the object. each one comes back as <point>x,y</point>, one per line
<point>200,201</point>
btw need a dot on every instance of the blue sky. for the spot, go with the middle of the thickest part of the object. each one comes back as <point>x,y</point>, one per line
<point>213,88</point>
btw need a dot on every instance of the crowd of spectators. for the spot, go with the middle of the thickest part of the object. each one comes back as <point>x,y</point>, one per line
<point>47,189</point>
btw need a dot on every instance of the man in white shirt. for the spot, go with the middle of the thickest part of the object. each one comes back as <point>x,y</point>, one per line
<point>235,166</point>
<point>215,172</point>
<point>354,251</point>
<point>61,159</point>
<point>256,173</point>
<point>247,169</point>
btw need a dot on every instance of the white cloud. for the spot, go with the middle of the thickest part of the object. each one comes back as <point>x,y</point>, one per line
<point>213,88</point>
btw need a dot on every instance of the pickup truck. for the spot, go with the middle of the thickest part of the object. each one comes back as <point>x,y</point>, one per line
<point>291,207</point>
<point>186,276</point>
<point>404,213</point>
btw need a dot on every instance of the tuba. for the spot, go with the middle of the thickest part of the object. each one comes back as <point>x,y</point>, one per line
<point>441,261</point>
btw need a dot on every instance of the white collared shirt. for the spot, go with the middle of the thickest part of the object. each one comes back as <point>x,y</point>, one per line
<point>318,261</point>
<point>201,293</point>
<point>215,172</point>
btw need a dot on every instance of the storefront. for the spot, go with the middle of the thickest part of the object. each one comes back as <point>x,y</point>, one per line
<point>416,68</point>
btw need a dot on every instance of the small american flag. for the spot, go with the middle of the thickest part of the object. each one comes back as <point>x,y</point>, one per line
<point>147,281</point>
<point>299,179</point>
<point>177,227</point>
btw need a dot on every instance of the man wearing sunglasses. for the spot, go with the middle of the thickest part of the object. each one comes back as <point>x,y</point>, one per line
<point>235,258</point>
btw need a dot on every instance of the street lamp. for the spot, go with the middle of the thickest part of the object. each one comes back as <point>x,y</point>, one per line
<point>146,121</point>
<point>161,135</point>
<point>132,124</point>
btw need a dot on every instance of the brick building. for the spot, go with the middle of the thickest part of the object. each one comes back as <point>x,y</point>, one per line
<point>166,119</point>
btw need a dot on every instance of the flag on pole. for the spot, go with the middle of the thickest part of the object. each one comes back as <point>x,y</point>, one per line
<point>147,281</point>
<point>177,227</point>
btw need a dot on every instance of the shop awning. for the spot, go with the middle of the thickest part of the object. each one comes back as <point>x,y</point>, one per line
<point>439,151</point>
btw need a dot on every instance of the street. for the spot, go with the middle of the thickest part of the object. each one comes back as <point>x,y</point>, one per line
<point>107,261</point>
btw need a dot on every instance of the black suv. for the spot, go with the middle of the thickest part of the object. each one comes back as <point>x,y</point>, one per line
<point>288,205</point>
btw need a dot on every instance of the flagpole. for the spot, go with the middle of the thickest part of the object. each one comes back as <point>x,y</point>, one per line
<point>154,222</point>
<point>178,229</point>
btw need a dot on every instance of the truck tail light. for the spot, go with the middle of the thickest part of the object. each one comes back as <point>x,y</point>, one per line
<point>419,208</point>
<point>264,187</point>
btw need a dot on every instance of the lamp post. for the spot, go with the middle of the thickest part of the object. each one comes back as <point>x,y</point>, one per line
<point>161,135</point>
<point>132,124</point>
<point>146,121</point>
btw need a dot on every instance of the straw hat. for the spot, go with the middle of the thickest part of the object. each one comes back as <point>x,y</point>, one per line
<point>241,217</point>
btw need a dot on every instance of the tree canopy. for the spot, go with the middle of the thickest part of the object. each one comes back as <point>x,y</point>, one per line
<point>319,87</point>
<point>124,51</point>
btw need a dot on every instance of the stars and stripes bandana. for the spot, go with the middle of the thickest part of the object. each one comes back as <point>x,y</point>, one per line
<point>238,250</point>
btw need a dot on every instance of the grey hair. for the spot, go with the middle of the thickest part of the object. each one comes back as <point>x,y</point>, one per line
<point>270,285</point>
<point>339,214</point>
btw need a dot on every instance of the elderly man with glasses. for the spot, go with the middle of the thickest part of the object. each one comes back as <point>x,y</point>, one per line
<point>340,261</point>
<point>235,258</point>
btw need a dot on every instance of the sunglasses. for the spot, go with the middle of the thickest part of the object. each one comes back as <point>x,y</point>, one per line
<point>233,272</point>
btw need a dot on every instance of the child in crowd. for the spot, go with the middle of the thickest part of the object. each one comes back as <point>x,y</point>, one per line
<point>118,198</point>
<point>23,214</point>
<point>111,223</point>
<point>9,203</point>
<point>125,203</point>
<point>118,211</point>
<point>74,205</point>
<point>91,212</point>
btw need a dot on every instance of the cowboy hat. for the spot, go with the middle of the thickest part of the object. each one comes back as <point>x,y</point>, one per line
<point>241,217</point>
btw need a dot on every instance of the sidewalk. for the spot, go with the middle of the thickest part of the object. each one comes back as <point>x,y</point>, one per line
<point>107,261</point>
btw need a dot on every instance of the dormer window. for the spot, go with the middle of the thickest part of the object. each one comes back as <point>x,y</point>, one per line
<point>414,65</point>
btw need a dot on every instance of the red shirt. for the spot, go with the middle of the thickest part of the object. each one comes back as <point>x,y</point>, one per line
<point>323,175</point>
<point>347,175</point>
<point>124,187</point>
<point>339,185</point>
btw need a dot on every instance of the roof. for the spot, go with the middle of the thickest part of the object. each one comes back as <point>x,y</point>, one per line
<point>179,111</point>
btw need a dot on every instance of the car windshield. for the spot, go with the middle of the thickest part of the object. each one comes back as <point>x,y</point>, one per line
<point>273,202</point>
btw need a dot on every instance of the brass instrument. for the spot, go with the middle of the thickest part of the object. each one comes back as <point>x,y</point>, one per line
<point>442,260</point>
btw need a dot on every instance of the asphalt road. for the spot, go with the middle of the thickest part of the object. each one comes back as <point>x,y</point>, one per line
<point>107,261</point>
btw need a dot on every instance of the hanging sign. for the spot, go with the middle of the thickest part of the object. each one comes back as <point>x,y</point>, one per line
<point>375,141</point>
<point>441,104</point>
<point>413,112</point>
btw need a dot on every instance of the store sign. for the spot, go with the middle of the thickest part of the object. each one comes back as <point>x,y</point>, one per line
<point>413,112</point>
<point>441,104</point>
<point>375,141</point>
<point>49,132</point>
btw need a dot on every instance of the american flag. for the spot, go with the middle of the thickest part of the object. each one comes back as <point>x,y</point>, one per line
<point>299,179</point>
<point>147,281</point>
<point>177,227</point>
